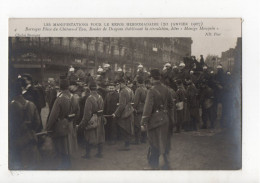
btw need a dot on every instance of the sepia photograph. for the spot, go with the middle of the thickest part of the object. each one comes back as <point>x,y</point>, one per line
<point>129,91</point>
<point>124,103</point>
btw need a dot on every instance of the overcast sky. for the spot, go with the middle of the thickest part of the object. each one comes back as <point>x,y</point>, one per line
<point>211,45</point>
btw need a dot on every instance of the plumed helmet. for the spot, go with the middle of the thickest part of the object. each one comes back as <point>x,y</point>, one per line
<point>167,65</point>
<point>106,66</point>
<point>182,64</point>
<point>100,69</point>
<point>219,66</point>
<point>140,66</point>
<point>71,69</point>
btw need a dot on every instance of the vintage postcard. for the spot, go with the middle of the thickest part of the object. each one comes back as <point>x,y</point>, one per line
<point>125,94</point>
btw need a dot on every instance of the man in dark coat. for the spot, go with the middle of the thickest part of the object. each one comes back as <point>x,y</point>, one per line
<point>51,95</point>
<point>124,113</point>
<point>193,105</point>
<point>110,106</point>
<point>61,110</point>
<point>40,91</point>
<point>220,78</point>
<point>206,102</point>
<point>139,100</point>
<point>29,92</point>
<point>101,86</point>
<point>156,119</point>
<point>180,99</point>
<point>24,122</point>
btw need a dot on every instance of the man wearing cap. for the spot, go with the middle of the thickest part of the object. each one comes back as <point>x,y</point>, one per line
<point>124,113</point>
<point>148,84</point>
<point>139,100</point>
<point>110,106</point>
<point>61,110</point>
<point>156,119</point>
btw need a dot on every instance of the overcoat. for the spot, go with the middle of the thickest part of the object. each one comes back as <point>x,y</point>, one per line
<point>24,121</point>
<point>158,137</point>
<point>94,103</point>
<point>126,97</point>
<point>60,110</point>
<point>139,100</point>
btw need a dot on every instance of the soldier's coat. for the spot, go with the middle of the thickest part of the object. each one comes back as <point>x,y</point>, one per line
<point>23,151</point>
<point>139,99</point>
<point>126,97</point>
<point>158,137</point>
<point>60,110</point>
<point>93,104</point>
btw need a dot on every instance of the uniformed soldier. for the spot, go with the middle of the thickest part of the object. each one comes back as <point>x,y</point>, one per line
<point>207,101</point>
<point>141,72</point>
<point>51,94</point>
<point>148,84</point>
<point>101,86</point>
<point>193,105</point>
<point>61,110</point>
<point>24,122</point>
<point>109,75</point>
<point>156,119</point>
<point>124,113</point>
<point>93,111</point>
<point>29,92</point>
<point>220,78</point>
<point>180,99</point>
<point>205,75</point>
<point>110,106</point>
<point>167,74</point>
<point>139,100</point>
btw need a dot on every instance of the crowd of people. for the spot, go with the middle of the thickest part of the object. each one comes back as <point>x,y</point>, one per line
<point>115,107</point>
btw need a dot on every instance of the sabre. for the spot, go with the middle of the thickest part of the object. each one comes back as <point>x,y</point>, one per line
<point>43,133</point>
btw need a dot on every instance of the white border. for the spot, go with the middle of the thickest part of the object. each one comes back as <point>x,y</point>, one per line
<point>248,10</point>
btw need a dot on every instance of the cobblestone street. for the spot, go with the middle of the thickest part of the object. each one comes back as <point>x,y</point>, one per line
<point>203,150</point>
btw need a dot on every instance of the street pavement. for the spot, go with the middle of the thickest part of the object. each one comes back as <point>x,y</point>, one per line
<point>217,149</point>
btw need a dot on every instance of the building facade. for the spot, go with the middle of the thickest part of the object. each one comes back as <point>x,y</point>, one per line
<point>232,58</point>
<point>48,57</point>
